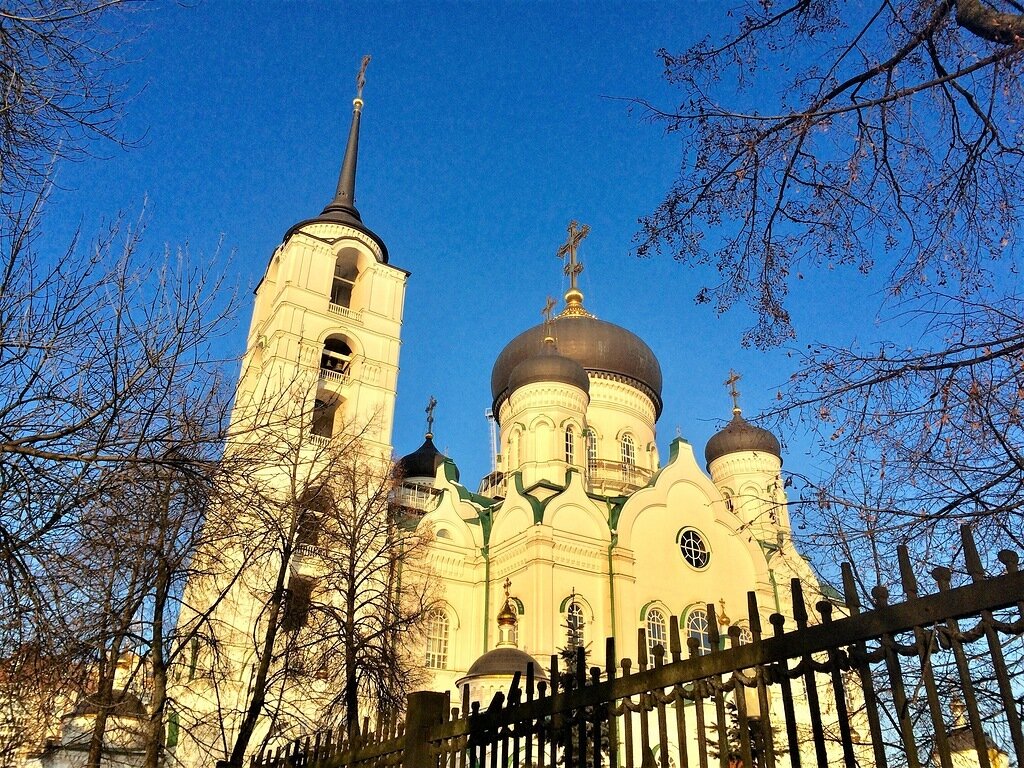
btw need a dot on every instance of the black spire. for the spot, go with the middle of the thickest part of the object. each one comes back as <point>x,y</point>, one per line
<point>344,203</point>
<point>342,209</point>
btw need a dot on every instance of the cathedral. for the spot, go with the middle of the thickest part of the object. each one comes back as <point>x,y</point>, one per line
<point>582,532</point>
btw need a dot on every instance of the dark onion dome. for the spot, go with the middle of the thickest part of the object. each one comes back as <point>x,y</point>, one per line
<point>548,365</point>
<point>598,346</point>
<point>120,704</point>
<point>423,462</point>
<point>506,660</point>
<point>740,435</point>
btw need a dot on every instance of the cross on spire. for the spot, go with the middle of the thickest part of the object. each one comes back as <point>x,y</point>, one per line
<point>735,393</point>
<point>361,77</point>
<point>569,248</point>
<point>507,585</point>
<point>431,405</point>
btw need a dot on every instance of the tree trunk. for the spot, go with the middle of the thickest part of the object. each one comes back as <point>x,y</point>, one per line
<point>155,731</point>
<point>259,684</point>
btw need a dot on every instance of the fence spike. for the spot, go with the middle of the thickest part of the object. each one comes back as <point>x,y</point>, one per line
<point>581,667</point>
<point>554,674</point>
<point>625,664</point>
<point>799,608</point>
<point>824,609</point>
<point>530,683</point>
<point>1009,558</point>
<point>714,636</point>
<point>673,638</point>
<point>542,688</point>
<point>907,578</point>
<point>778,622</point>
<point>880,595</point>
<point>734,635</point>
<point>693,646</point>
<point>754,616</point>
<point>465,701</point>
<point>609,657</point>
<point>641,648</point>
<point>497,702</point>
<point>971,558</point>
<point>943,577</point>
<point>850,594</point>
<point>514,691</point>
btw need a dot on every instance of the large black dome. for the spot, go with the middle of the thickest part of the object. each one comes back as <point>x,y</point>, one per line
<point>598,346</point>
<point>740,435</point>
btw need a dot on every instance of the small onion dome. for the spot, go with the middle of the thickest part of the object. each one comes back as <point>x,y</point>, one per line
<point>598,346</point>
<point>506,616</point>
<point>503,661</point>
<point>548,366</point>
<point>740,435</point>
<point>423,462</point>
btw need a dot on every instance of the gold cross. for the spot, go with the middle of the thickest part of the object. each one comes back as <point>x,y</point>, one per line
<point>507,585</point>
<point>731,383</point>
<point>549,308</point>
<point>569,247</point>
<point>431,405</point>
<point>361,77</point>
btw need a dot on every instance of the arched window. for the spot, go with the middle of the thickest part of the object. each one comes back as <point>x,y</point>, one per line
<point>336,357</point>
<point>437,640</point>
<point>591,452</point>
<point>575,625</point>
<point>345,274</point>
<point>570,446</point>
<point>323,418</point>
<point>628,458</point>
<point>657,633</point>
<point>628,451</point>
<point>698,628</point>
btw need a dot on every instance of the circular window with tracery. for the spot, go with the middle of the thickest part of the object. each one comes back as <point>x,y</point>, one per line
<point>694,550</point>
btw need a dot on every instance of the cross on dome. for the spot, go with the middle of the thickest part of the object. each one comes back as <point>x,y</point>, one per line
<point>573,267</point>
<point>735,393</point>
<point>431,405</point>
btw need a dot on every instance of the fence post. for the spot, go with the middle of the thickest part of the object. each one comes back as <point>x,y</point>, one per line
<point>425,710</point>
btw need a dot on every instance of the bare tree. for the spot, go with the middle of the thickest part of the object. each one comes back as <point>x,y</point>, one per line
<point>875,137</point>
<point>61,83</point>
<point>320,586</point>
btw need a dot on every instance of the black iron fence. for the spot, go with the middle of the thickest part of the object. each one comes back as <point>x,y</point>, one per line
<point>932,680</point>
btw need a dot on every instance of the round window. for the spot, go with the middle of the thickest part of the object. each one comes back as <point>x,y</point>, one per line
<point>694,550</point>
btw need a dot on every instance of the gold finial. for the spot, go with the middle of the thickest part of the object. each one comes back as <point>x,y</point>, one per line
<point>573,268</point>
<point>735,393</point>
<point>431,405</point>
<point>549,307</point>
<point>507,585</point>
<point>723,620</point>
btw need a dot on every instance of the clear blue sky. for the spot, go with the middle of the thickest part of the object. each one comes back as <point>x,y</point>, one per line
<point>486,129</point>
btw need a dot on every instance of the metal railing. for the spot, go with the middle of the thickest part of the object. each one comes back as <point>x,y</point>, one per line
<point>868,688</point>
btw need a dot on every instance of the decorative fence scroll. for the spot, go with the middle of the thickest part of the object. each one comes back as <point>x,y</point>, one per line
<point>934,680</point>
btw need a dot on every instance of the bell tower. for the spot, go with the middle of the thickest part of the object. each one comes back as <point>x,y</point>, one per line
<point>324,337</point>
